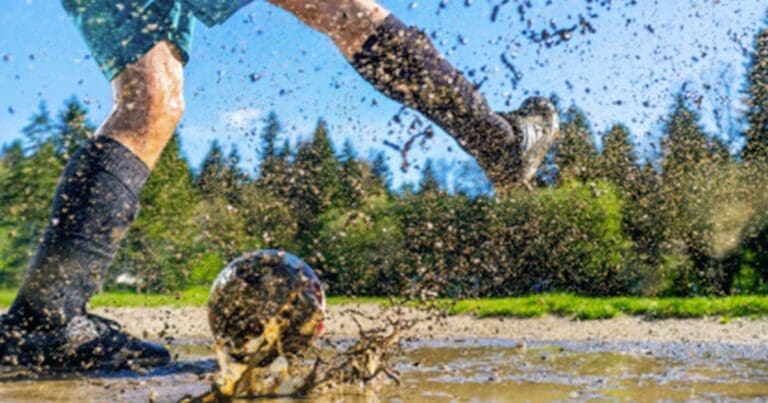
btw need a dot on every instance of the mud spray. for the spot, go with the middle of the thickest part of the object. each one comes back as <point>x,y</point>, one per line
<point>326,366</point>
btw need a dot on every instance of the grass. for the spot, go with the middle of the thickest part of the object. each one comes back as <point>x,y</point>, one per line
<point>604,308</point>
<point>194,297</point>
<point>565,305</point>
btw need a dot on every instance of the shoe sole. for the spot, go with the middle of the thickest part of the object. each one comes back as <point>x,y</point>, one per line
<point>535,114</point>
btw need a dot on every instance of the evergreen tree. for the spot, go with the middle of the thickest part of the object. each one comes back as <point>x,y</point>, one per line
<point>756,148</point>
<point>576,155</point>
<point>73,128</point>
<point>39,128</point>
<point>162,245</point>
<point>352,183</point>
<point>380,171</point>
<point>348,153</point>
<point>209,182</point>
<point>232,177</point>
<point>11,158</point>
<point>316,182</point>
<point>278,178</point>
<point>269,153</point>
<point>429,183</point>
<point>693,181</point>
<point>28,184</point>
<point>285,151</point>
<point>618,162</point>
<point>685,145</point>
<point>269,136</point>
<point>275,173</point>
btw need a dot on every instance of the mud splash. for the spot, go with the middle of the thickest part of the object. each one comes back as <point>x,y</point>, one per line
<point>478,370</point>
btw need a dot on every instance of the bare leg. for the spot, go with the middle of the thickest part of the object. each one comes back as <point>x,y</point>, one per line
<point>95,203</point>
<point>148,103</point>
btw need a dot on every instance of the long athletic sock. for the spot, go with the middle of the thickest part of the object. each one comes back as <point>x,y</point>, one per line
<point>96,201</point>
<point>402,63</point>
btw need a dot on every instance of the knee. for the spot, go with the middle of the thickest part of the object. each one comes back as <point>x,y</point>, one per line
<point>165,105</point>
<point>342,20</point>
<point>149,97</point>
<point>152,101</point>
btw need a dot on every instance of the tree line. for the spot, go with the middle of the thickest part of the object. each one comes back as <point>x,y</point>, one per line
<point>690,221</point>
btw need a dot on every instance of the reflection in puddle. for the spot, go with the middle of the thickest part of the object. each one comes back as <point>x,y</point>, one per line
<point>488,371</point>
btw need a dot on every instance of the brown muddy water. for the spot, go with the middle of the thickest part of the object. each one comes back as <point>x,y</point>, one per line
<point>473,370</point>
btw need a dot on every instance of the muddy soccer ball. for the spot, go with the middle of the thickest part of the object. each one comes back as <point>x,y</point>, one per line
<point>266,301</point>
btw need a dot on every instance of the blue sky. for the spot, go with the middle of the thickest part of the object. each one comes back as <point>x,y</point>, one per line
<point>627,71</point>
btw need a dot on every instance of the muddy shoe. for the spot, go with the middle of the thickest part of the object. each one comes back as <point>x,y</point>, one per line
<point>87,342</point>
<point>96,342</point>
<point>538,122</point>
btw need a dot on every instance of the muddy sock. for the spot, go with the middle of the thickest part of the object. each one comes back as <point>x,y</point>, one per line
<point>96,201</point>
<point>402,63</point>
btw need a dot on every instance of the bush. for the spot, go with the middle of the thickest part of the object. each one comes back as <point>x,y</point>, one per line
<point>446,244</point>
<point>565,239</point>
<point>361,249</point>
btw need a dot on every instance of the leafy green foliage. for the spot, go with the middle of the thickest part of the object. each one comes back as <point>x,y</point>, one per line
<point>689,221</point>
<point>576,156</point>
<point>585,308</point>
<point>157,249</point>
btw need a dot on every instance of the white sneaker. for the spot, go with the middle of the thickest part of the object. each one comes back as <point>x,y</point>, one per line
<point>538,122</point>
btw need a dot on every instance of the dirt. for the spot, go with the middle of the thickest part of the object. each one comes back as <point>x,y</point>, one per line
<point>467,359</point>
<point>191,324</point>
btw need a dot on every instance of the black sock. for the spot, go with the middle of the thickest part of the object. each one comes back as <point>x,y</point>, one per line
<point>402,63</point>
<point>96,201</point>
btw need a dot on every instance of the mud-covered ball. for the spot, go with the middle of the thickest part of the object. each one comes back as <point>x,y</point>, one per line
<point>266,291</point>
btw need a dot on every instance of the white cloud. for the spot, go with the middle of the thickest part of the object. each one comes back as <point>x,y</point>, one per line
<point>241,118</point>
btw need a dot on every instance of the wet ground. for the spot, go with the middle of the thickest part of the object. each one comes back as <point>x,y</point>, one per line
<point>476,370</point>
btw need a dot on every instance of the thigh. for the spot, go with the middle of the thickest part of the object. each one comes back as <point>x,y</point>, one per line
<point>214,12</point>
<point>120,33</point>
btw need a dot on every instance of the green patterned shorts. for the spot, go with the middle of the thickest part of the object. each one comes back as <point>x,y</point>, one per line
<point>120,32</point>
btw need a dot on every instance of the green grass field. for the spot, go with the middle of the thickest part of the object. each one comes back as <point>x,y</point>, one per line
<point>604,308</point>
<point>564,305</point>
<point>192,297</point>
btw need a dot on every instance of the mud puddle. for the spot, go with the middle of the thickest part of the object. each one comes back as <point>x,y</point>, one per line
<point>474,370</point>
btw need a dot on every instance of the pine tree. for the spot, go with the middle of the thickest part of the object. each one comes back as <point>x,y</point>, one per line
<point>316,182</point>
<point>12,157</point>
<point>39,128</point>
<point>429,183</point>
<point>693,178</point>
<point>685,145</point>
<point>285,151</point>
<point>277,178</point>
<point>618,161</point>
<point>28,186</point>
<point>161,246</point>
<point>576,155</point>
<point>73,128</point>
<point>269,136</point>
<point>268,153</point>
<point>232,177</point>
<point>352,183</point>
<point>756,148</point>
<point>380,173</point>
<point>209,182</point>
